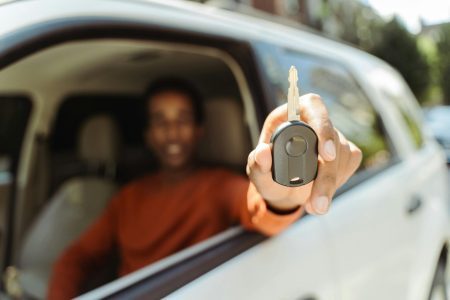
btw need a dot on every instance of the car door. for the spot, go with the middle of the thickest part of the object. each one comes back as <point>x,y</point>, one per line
<point>372,225</point>
<point>372,221</point>
<point>296,264</point>
<point>426,187</point>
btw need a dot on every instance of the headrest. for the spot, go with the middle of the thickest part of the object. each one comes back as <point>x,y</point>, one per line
<point>226,139</point>
<point>98,140</point>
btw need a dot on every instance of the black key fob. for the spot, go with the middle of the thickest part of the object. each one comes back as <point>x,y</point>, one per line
<point>294,154</point>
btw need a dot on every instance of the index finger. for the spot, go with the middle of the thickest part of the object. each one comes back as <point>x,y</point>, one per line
<point>314,112</point>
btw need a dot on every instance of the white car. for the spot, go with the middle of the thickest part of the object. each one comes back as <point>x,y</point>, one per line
<point>71,72</point>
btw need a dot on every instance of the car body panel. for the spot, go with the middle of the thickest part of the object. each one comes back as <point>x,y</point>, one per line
<point>266,271</point>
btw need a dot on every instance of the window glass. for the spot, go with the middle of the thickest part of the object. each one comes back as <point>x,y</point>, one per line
<point>394,89</point>
<point>14,112</point>
<point>350,110</point>
<point>413,128</point>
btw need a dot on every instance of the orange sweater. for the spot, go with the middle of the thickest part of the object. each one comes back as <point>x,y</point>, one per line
<point>149,219</point>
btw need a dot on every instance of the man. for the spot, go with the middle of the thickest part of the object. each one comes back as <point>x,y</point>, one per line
<point>182,203</point>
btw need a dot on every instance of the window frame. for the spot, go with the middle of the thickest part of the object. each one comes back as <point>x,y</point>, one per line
<point>406,110</point>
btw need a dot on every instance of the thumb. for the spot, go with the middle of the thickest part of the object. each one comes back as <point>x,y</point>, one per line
<point>263,157</point>
<point>259,171</point>
<point>259,164</point>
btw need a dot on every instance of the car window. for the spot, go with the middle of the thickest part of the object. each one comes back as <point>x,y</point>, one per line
<point>96,147</point>
<point>349,108</point>
<point>396,91</point>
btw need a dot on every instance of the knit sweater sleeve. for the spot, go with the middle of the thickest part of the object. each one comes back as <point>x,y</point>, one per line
<point>247,205</point>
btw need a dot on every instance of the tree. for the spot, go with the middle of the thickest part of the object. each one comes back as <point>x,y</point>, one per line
<point>399,48</point>
<point>443,47</point>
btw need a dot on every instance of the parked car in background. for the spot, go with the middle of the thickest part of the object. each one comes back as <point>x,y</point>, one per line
<point>70,72</point>
<point>438,119</point>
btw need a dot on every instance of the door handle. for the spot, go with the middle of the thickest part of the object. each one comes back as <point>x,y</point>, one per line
<point>414,204</point>
<point>309,297</point>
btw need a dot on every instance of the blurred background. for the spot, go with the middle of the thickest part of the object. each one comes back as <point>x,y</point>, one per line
<point>413,36</point>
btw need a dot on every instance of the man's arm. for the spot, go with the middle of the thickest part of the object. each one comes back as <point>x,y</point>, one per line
<point>244,204</point>
<point>86,253</point>
<point>270,206</point>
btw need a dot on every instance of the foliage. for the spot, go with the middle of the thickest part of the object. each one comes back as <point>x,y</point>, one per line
<point>399,48</point>
<point>443,48</point>
<point>427,46</point>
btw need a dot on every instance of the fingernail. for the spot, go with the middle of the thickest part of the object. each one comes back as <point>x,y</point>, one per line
<point>330,149</point>
<point>321,204</point>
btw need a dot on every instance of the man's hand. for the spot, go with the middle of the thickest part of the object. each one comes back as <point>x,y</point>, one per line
<point>338,160</point>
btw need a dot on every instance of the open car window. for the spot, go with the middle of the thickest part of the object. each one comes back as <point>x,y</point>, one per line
<point>95,145</point>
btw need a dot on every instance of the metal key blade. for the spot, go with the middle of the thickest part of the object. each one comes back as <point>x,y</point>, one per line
<point>293,95</point>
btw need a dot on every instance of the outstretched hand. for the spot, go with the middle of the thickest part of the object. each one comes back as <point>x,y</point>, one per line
<point>338,160</point>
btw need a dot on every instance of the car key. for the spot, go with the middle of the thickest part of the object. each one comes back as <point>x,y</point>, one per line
<point>294,144</point>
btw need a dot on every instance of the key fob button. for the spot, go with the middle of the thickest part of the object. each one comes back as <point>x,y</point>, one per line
<point>296,146</point>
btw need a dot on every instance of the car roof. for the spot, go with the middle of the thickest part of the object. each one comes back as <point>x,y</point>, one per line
<point>184,15</point>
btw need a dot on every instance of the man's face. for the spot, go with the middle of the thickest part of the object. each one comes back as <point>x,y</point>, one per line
<point>172,132</point>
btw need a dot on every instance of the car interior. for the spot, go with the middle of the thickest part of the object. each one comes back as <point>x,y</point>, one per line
<point>85,135</point>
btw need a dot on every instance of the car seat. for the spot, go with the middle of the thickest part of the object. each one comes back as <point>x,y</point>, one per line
<point>75,204</point>
<point>227,140</point>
